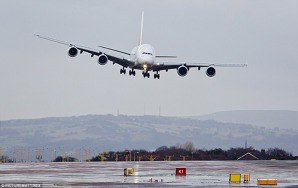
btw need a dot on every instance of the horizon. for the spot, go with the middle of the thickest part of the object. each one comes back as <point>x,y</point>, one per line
<point>140,115</point>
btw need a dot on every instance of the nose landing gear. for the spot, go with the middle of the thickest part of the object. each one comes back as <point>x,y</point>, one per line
<point>146,74</point>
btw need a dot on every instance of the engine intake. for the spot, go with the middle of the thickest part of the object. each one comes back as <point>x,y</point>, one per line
<point>182,70</point>
<point>72,52</point>
<point>210,71</point>
<point>102,59</point>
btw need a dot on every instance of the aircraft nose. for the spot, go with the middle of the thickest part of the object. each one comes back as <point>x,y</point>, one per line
<point>146,60</point>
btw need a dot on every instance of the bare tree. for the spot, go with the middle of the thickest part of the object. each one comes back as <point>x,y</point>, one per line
<point>188,146</point>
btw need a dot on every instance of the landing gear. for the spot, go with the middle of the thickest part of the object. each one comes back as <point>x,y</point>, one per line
<point>122,71</point>
<point>146,74</point>
<point>132,72</point>
<point>156,75</point>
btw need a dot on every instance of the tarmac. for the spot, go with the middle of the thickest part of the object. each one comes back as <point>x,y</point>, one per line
<point>147,174</point>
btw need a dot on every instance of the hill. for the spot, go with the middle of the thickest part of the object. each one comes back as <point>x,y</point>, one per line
<point>262,118</point>
<point>108,132</point>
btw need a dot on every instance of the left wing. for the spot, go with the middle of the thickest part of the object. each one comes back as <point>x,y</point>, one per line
<point>103,57</point>
<point>183,68</point>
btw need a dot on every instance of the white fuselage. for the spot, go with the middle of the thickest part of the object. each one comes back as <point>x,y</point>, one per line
<point>143,56</point>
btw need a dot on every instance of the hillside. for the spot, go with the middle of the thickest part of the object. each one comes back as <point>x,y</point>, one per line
<point>108,132</point>
<point>262,118</point>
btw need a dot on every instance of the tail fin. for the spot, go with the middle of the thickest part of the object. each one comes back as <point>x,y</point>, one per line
<point>141,34</point>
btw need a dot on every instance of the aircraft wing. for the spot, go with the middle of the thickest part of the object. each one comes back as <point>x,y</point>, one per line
<point>168,66</point>
<point>121,61</point>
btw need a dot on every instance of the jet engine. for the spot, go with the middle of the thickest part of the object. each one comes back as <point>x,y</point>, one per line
<point>72,52</point>
<point>102,59</point>
<point>210,71</point>
<point>182,70</point>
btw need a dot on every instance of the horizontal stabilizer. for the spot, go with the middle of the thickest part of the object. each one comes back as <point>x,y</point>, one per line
<point>166,56</point>
<point>230,65</point>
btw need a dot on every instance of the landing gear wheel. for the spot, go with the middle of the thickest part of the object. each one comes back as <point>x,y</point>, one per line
<point>123,71</point>
<point>146,74</point>
<point>132,72</point>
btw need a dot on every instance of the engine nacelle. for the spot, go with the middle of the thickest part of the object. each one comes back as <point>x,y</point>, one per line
<point>210,71</point>
<point>102,59</point>
<point>72,51</point>
<point>182,70</point>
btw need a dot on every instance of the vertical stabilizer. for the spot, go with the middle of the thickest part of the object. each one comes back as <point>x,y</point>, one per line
<point>141,34</point>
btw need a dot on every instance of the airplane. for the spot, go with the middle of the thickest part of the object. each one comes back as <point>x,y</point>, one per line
<point>142,57</point>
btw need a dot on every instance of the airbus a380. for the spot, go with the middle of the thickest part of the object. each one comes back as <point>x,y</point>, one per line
<point>142,57</point>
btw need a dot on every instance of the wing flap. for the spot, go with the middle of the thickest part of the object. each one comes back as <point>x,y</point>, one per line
<point>123,62</point>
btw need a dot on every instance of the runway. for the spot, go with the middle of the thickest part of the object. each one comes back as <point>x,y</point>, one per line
<point>161,173</point>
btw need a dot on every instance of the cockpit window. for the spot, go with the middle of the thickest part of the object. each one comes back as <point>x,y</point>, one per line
<point>147,53</point>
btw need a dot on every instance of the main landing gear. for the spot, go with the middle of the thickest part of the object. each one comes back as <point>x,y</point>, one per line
<point>122,71</point>
<point>156,75</point>
<point>145,73</point>
<point>132,72</point>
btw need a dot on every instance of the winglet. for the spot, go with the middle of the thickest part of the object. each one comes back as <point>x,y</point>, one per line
<point>141,34</point>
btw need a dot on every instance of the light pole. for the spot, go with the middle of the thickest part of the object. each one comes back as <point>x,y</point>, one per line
<point>134,155</point>
<point>129,154</point>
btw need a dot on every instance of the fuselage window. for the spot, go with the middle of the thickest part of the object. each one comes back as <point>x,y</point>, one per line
<point>147,53</point>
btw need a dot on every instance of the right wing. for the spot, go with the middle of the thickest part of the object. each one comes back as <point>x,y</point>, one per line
<point>120,61</point>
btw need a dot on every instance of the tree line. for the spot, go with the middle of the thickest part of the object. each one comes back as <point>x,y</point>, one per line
<point>187,152</point>
<point>179,152</point>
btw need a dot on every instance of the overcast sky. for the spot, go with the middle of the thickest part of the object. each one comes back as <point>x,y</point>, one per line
<point>39,79</point>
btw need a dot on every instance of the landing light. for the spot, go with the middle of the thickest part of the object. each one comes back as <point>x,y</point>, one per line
<point>145,67</point>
